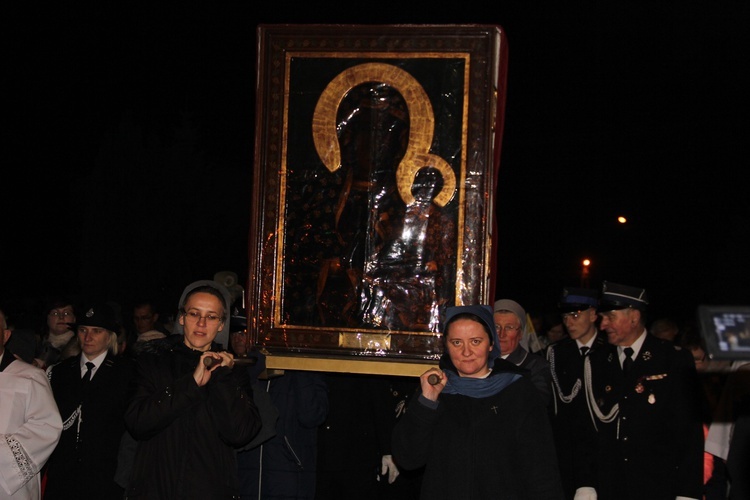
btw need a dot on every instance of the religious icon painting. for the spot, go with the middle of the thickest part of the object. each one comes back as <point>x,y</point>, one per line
<point>376,158</point>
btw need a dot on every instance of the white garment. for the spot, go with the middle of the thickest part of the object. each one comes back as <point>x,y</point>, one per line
<point>97,363</point>
<point>636,346</point>
<point>720,431</point>
<point>718,439</point>
<point>30,427</point>
<point>150,335</point>
<point>60,341</point>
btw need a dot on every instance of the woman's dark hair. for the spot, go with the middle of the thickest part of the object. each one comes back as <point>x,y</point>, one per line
<point>58,303</point>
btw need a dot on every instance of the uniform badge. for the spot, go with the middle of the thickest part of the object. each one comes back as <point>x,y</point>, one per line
<point>651,398</point>
<point>639,388</point>
<point>647,356</point>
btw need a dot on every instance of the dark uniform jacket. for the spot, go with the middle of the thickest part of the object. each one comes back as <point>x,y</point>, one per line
<point>285,466</point>
<point>572,422</point>
<point>653,447</point>
<point>83,464</point>
<point>187,434</point>
<point>537,369</point>
<point>349,451</point>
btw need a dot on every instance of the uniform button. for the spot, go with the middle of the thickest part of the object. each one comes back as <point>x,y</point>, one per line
<point>625,438</point>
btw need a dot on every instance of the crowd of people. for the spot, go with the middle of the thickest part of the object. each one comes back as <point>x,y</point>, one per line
<point>606,404</point>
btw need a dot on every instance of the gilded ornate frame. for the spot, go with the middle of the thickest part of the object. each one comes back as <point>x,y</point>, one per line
<point>310,304</point>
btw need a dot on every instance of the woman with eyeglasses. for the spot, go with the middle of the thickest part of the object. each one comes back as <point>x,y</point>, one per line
<point>188,417</point>
<point>510,322</point>
<point>58,341</point>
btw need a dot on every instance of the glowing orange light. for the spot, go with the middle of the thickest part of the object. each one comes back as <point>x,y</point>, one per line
<point>585,273</point>
<point>622,220</point>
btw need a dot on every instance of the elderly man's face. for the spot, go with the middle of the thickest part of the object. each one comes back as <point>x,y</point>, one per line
<point>509,330</point>
<point>622,326</point>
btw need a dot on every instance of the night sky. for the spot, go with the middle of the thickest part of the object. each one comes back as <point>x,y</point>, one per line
<point>129,146</point>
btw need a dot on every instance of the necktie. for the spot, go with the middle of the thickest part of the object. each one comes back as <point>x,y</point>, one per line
<point>87,375</point>
<point>584,350</point>
<point>628,359</point>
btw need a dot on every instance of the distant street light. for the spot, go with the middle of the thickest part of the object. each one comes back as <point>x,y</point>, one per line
<point>585,273</point>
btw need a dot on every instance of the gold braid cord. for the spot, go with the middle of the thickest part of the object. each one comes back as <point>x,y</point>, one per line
<point>556,383</point>
<point>72,418</point>
<point>591,402</point>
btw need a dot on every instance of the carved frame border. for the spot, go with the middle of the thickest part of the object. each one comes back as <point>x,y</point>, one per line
<point>346,348</point>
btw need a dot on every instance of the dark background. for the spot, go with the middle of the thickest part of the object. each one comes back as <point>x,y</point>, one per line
<point>129,146</point>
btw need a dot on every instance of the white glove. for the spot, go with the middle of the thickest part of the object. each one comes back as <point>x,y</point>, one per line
<point>388,466</point>
<point>585,493</point>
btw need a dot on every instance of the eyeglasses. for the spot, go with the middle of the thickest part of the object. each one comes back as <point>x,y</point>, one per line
<point>507,328</point>
<point>61,314</point>
<point>195,317</point>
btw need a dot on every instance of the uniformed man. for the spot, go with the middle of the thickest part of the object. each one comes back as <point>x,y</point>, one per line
<point>650,441</point>
<point>572,421</point>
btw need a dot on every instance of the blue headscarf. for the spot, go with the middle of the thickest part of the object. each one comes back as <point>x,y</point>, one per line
<point>476,387</point>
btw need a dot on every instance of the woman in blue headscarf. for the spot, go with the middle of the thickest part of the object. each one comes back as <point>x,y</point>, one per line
<point>481,431</point>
